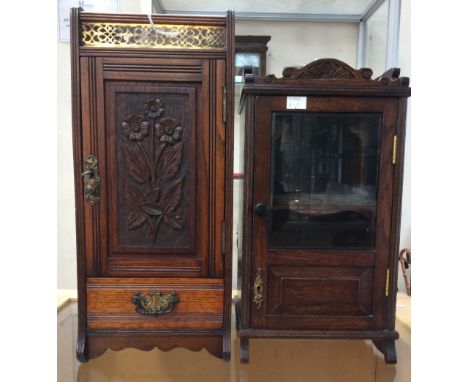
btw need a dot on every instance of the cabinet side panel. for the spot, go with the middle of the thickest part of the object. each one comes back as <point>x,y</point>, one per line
<point>81,348</point>
<point>396,214</point>
<point>246,259</point>
<point>228,73</point>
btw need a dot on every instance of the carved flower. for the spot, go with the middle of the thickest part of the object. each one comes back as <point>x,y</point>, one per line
<point>135,127</point>
<point>154,108</point>
<point>168,130</point>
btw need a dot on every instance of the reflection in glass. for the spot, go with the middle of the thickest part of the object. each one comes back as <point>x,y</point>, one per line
<point>323,180</point>
<point>377,39</point>
<point>248,59</point>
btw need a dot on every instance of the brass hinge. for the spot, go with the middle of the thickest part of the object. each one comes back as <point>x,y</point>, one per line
<point>394,149</point>
<point>387,282</point>
<point>224,104</point>
<point>223,238</point>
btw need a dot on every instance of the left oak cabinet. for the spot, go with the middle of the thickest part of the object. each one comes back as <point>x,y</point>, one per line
<point>153,147</point>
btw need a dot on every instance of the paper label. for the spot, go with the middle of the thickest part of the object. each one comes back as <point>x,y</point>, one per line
<point>296,103</point>
<point>105,6</point>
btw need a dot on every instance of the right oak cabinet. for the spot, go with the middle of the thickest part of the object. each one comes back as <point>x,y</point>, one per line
<point>322,197</point>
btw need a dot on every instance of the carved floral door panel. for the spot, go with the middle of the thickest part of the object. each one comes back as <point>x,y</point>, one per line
<point>153,200</point>
<point>156,217</point>
<point>152,158</point>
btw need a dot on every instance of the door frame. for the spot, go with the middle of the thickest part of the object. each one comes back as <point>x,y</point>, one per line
<point>378,260</point>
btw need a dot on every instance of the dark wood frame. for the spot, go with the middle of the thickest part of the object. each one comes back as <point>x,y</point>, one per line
<point>92,343</point>
<point>254,44</point>
<point>324,78</point>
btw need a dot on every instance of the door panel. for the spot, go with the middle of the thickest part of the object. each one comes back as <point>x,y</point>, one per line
<point>155,214</point>
<point>156,178</point>
<point>320,290</point>
<point>321,238</point>
<point>153,164</point>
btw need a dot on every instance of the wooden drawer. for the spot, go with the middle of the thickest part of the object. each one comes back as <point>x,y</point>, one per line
<point>110,306</point>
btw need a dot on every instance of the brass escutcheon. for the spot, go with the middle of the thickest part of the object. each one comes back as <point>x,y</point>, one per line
<point>258,289</point>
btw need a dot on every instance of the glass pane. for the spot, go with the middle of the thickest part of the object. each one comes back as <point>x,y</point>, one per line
<point>377,37</point>
<point>323,180</point>
<point>334,7</point>
<point>248,59</point>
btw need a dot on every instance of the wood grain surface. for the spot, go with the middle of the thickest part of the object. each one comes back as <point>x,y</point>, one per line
<point>110,303</point>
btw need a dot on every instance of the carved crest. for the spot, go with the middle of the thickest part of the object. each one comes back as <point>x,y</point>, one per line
<point>330,70</point>
<point>327,68</point>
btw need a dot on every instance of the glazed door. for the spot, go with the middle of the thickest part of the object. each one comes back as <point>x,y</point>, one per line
<point>155,216</point>
<point>322,188</point>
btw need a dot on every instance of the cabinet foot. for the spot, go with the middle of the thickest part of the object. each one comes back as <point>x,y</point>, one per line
<point>81,348</point>
<point>387,348</point>
<point>244,350</point>
<point>237,307</point>
<point>227,346</point>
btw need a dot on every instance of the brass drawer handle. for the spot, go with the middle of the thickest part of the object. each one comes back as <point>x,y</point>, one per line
<point>155,303</point>
<point>258,289</point>
<point>91,180</point>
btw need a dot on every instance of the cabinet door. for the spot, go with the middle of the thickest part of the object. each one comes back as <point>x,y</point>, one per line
<point>155,216</point>
<point>323,181</point>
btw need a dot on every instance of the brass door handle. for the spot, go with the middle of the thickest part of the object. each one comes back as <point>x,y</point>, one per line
<point>91,179</point>
<point>155,304</point>
<point>258,289</point>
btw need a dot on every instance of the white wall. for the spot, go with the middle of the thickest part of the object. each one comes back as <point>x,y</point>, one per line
<point>298,43</point>
<point>405,66</point>
<point>66,247</point>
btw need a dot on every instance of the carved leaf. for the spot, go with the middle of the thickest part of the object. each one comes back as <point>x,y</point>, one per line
<point>136,219</point>
<point>172,197</point>
<point>151,209</point>
<point>171,219</point>
<point>153,195</point>
<point>130,194</point>
<point>170,163</point>
<point>135,166</point>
